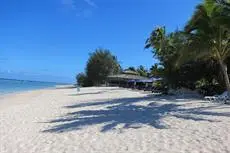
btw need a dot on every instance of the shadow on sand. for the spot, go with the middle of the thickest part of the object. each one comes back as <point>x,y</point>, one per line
<point>130,113</point>
<point>95,93</point>
<point>87,93</point>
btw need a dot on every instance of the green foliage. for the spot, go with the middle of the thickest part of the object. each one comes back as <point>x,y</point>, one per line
<point>81,77</point>
<point>100,64</point>
<point>209,36</point>
<point>83,81</point>
<point>203,45</point>
<point>166,48</point>
<point>201,83</point>
<point>208,88</point>
<point>142,71</point>
<point>157,71</point>
<point>131,68</point>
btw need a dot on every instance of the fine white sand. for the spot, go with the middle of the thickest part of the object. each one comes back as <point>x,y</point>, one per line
<point>111,120</point>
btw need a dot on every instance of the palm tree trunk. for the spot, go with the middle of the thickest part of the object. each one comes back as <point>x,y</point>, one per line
<point>224,69</point>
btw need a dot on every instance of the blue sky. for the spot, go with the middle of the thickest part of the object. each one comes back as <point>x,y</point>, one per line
<point>49,40</point>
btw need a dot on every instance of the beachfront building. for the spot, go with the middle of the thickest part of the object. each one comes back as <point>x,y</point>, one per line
<point>130,79</point>
<point>127,78</point>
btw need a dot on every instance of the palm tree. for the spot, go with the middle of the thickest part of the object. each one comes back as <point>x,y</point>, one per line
<point>142,71</point>
<point>209,31</point>
<point>224,3</point>
<point>166,48</point>
<point>156,70</point>
<point>158,40</point>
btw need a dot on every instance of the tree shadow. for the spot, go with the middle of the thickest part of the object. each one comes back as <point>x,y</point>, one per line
<point>129,113</point>
<point>95,93</point>
<point>123,101</point>
<point>131,100</point>
<point>87,93</point>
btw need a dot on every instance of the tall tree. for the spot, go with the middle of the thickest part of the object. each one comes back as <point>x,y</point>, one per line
<point>209,36</point>
<point>101,63</point>
<point>166,48</point>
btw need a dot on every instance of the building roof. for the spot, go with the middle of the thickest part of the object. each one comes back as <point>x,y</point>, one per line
<point>130,72</point>
<point>126,77</point>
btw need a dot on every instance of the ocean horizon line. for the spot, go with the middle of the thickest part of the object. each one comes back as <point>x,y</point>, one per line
<point>10,79</point>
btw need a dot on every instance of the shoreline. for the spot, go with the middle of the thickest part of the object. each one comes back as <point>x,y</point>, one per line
<point>23,91</point>
<point>4,98</point>
<point>15,86</point>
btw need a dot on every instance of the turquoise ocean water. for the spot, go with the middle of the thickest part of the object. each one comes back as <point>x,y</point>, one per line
<point>10,86</point>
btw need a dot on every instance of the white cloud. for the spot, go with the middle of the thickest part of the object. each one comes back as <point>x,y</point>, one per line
<point>69,3</point>
<point>91,3</point>
<point>73,3</point>
<point>80,11</point>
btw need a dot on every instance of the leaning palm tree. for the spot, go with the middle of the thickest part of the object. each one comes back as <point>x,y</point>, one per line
<point>209,35</point>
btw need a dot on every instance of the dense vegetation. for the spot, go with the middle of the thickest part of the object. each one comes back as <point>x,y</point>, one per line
<point>199,54</point>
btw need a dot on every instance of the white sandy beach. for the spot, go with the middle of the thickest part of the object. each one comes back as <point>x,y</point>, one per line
<point>110,120</point>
